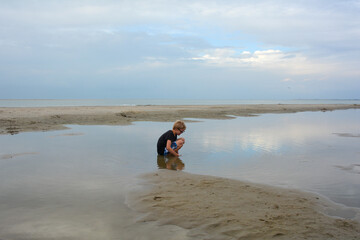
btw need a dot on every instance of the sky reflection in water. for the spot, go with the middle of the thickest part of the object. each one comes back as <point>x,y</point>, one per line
<point>310,151</point>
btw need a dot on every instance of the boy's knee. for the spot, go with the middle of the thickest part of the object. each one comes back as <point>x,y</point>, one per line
<point>180,142</point>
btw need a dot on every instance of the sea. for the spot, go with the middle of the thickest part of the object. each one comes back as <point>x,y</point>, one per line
<point>73,184</point>
<point>135,102</point>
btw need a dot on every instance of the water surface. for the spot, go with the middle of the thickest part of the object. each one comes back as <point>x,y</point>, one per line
<point>72,184</point>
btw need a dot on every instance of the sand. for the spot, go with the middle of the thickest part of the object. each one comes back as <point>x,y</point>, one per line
<point>218,208</point>
<point>15,120</point>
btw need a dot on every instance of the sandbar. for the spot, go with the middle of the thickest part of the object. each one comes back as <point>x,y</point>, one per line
<point>219,208</point>
<point>16,120</point>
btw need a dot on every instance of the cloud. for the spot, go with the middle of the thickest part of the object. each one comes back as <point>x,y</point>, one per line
<point>275,60</point>
<point>287,80</point>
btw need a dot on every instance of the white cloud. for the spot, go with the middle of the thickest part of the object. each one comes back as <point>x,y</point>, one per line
<point>277,60</point>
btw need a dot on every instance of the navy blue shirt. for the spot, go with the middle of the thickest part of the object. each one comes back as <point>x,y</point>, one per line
<point>161,144</point>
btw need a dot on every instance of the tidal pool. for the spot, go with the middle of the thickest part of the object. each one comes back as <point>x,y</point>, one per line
<point>72,184</point>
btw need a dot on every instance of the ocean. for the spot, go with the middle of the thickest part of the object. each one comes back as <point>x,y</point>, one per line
<point>134,102</point>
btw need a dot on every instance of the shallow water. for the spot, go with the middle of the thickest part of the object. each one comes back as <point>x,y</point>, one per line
<point>72,184</point>
<point>313,151</point>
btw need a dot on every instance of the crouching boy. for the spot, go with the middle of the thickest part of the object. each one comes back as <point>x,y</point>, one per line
<point>168,143</point>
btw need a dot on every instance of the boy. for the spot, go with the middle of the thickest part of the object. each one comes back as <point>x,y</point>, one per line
<point>168,142</point>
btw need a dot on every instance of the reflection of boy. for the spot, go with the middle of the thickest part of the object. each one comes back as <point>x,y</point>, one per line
<point>168,143</point>
<point>170,162</point>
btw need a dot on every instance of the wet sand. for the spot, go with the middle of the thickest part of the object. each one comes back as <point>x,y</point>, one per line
<point>218,208</point>
<point>15,120</point>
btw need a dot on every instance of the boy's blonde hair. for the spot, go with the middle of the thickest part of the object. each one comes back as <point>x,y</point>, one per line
<point>179,125</point>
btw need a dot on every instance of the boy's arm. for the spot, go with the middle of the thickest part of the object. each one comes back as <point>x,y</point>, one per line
<point>168,147</point>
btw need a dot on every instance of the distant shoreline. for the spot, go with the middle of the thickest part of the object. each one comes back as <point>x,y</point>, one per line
<point>16,120</point>
<point>158,102</point>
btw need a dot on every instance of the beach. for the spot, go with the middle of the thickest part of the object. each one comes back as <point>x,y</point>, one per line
<point>198,206</point>
<point>219,208</point>
<point>15,120</point>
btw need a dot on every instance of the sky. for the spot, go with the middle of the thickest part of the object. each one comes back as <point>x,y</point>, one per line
<point>179,49</point>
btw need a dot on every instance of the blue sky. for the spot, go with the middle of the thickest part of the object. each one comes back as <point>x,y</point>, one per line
<point>215,49</point>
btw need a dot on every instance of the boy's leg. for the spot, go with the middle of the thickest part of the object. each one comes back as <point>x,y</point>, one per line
<point>173,146</point>
<point>179,144</point>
